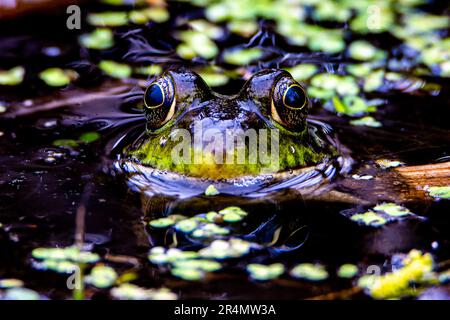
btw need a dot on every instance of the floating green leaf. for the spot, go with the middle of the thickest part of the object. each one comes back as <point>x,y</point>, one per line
<point>439,192</point>
<point>99,39</point>
<point>115,69</point>
<point>392,209</point>
<point>241,57</point>
<point>211,191</point>
<point>108,19</point>
<point>129,291</point>
<point>89,137</point>
<point>367,121</point>
<point>265,272</point>
<point>309,271</point>
<point>101,276</point>
<point>369,218</point>
<point>56,77</point>
<point>12,77</point>
<point>347,271</point>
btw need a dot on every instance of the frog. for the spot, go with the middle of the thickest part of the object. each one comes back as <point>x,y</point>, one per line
<point>258,139</point>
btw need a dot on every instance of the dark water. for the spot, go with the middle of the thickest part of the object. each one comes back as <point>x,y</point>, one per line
<point>39,200</point>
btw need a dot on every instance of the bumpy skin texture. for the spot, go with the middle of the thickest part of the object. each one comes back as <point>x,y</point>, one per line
<point>196,105</point>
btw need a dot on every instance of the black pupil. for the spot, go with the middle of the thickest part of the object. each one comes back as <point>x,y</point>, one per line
<point>295,97</point>
<point>154,96</point>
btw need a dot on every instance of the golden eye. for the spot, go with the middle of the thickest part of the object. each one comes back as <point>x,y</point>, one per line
<point>289,104</point>
<point>159,101</point>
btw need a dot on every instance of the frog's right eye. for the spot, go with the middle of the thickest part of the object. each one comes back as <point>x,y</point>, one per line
<point>159,101</point>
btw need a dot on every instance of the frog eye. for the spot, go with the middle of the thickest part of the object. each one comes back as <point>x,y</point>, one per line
<point>159,101</point>
<point>289,104</point>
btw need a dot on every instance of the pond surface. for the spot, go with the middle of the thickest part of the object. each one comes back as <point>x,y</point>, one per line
<point>60,142</point>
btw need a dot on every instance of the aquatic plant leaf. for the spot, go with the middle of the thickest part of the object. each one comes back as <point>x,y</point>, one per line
<point>160,255</point>
<point>242,57</point>
<point>12,77</point>
<point>186,226</point>
<point>302,71</point>
<point>244,28</point>
<point>156,14</point>
<point>128,291</point>
<point>439,192</point>
<point>386,163</point>
<point>20,294</point>
<point>198,264</point>
<point>352,105</point>
<point>416,267</point>
<point>369,218</point>
<point>392,209</point>
<point>65,143</point>
<point>196,43</point>
<point>67,253</point>
<point>364,51</point>
<point>309,271</point>
<point>56,77</point>
<point>265,272</point>
<point>347,271</point>
<point>101,276</point>
<point>367,121</point>
<point>108,19</point>
<point>161,223</point>
<point>223,249</point>
<point>209,230</point>
<point>10,283</point>
<point>151,70</point>
<point>99,39</point>
<point>214,79</point>
<point>211,191</point>
<point>115,69</point>
<point>188,274</point>
<point>89,137</point>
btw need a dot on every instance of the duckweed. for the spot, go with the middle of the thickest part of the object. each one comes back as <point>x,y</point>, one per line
<point>68,253</point>
<point>20,294</point>
<point>10,283</point>
<point>369,218</point>
<point>99,39</point>
<point>265,272</point>
<point>347,271</point>
<point>56,77</point>
<point>439,192</point>
<point>241,57</point>
<point>367,121</point>
<point>162,223</point>
<point>392,209</point>
<point>211,191</point>
<point>160,255</point>
<point>223,249</point>
<point>129,291</point>
<point>416,267</point>
<point>195,44</point>
<point>115,69</point>
<point>101,276</point>
<point>108,19</point>
<point>386,163</point>
<point>309,271</point>
<point>364,51</point>
<point>12,77</point>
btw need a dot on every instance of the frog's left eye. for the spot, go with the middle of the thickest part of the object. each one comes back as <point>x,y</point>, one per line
<point>289,104</point>
<point>159,101</point>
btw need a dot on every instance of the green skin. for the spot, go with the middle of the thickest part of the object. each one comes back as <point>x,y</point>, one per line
<point>252,108</point>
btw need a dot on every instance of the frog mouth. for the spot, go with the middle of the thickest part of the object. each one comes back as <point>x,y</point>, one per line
<point>152,181</point>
